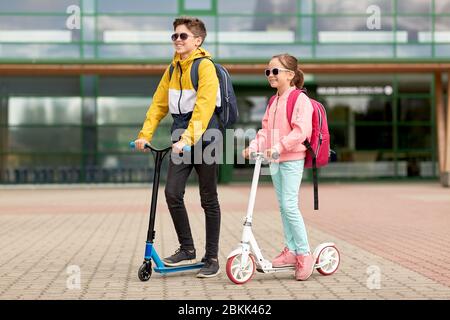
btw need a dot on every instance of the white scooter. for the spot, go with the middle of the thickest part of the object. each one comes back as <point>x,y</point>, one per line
<point>247,257</point>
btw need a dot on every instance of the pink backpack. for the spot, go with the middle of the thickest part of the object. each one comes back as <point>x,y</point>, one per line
<point>319,145</point>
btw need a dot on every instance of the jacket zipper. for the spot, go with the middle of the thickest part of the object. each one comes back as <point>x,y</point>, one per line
<point>274,118</point>
<point>181,87</point>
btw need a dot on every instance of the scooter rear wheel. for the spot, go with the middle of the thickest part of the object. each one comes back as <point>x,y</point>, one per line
<point>145,271</point>
<point>234,271</point>
<point>329,259</point>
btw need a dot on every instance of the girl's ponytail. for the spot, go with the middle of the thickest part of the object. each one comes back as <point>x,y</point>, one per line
<point>299,79</point>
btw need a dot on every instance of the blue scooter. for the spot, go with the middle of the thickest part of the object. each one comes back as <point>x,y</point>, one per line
<point>145,270</point>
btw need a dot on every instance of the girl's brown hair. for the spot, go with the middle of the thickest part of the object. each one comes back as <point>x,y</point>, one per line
<point>195,25</point>
<point>291,63</point>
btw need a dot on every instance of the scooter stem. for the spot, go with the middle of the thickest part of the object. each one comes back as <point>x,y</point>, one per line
<point>251,203</point>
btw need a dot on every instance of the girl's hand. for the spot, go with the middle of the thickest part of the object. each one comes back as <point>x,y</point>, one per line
<point>270,152</point>
<point>246,153</point>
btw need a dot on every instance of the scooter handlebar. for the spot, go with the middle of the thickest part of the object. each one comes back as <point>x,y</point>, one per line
<point>275,155</point>
<point>148,146</point>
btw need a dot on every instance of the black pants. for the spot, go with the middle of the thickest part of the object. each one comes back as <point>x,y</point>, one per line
<point>175,188</point>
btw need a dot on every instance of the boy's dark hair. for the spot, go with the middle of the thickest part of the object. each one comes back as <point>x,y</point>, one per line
<point>195,25</point>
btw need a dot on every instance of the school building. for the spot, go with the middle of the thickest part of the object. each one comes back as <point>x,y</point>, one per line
<point>77,77</point>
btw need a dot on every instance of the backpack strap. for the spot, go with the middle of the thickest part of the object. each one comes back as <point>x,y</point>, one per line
<point>170,71</point>
<point>194,72</point>
<point>292,99</point>
<point>314,171</point>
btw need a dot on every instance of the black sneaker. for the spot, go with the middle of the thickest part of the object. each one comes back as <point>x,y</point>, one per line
<point>210,269</point>
<point>181,257</point>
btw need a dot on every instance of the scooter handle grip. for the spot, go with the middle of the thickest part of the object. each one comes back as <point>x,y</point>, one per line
<point>133,145</point>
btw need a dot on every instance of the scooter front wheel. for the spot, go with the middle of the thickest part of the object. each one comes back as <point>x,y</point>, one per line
<point>237,274</point>
<point>145,271</point>
<point>328,259</point>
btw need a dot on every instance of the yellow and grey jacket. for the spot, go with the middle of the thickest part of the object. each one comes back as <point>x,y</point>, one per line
<point>191,110</point>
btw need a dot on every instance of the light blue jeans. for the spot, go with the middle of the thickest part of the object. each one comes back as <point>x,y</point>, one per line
<point>287,177</point>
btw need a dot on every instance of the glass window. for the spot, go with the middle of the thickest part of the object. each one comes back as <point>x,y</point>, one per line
<point>306,29</point>
<point>442,24</point>
<point>442,51</point>
<point>442,6</point>
<point>39,160</point>
<point>414,137</point>
<point>414,6</point>
<point>373,137</point>
<point>354,51</point>
<point>410,51</point>
<point>44,110</point>
<point>88,29</point>
<point>115,110</point>
<point>38,86</point>
<point>264,52</point>
<point>32,23</point>
<point>133,160</point>
<point>128,86</point>
<point>33,6</point>
<point>132,23</point>
<point>414,83</point>
<point>306,6</point>
<point>355,29</point>
<point>353,109</point>
<point>258,6</point>
<point>88,6</point>
<point>137,29</point>
<point>338,137</point>
<point>130,52</point>
<point>354,7</point>
<point>197,4</point>
<point>137,6</point>
<point>251,108</point>
<point>44,139</point>
<point>416,27</point>
<point>118,138</point>
<point>266,23</point>
<point>414,109</point>
<point>39,51</point>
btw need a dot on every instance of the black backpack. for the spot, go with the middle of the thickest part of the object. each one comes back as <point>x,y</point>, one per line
<point>227,112</point>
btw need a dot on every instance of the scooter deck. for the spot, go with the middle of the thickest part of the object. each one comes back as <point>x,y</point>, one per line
<point>269,270</point>
<point>186,267</point>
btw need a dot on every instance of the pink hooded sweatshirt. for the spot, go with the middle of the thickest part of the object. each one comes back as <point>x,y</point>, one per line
<point>277,133</point>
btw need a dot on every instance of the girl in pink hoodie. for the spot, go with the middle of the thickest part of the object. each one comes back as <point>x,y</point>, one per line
<point>277,135</point>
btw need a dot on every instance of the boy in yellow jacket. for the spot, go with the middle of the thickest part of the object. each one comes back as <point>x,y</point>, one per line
<point>193,113</point>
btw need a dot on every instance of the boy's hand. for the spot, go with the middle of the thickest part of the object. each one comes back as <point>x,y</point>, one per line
<point>140,144</point>
<point>178,147</point>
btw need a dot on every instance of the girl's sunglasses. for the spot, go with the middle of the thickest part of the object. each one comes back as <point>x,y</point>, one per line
<point>275,71</point>
<point>183,36</point>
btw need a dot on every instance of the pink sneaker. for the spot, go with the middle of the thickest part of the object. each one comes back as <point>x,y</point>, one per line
<point>284,259</point>
<point>304,267</point>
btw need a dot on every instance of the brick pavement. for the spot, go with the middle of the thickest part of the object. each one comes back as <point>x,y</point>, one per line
<point>399,229</point>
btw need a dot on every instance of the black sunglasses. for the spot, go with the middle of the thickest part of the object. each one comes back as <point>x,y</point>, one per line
<point>275,71</point>
<point>183,36</point>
